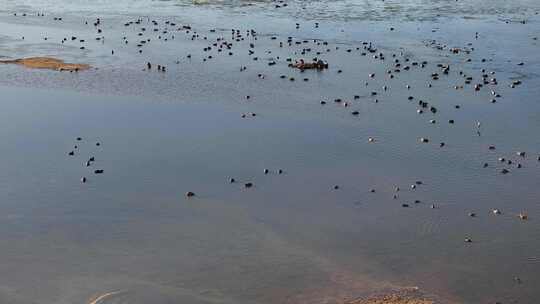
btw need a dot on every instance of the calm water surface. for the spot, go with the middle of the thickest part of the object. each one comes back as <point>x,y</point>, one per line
<point>291,238</point>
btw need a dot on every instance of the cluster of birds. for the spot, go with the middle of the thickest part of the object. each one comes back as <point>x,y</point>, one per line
<point>396,64</point>
<point>216,43</point>
<point>247,185</point>
<point>90,160</point>
<point>146,30</point>
<point>400,63</point>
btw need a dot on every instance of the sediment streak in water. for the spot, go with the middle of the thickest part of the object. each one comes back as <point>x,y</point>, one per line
<point>104,296</point>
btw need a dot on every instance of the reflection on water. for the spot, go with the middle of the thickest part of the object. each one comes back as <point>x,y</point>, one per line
<point>289,239</point>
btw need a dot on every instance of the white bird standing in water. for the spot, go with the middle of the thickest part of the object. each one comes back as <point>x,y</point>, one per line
<point>478,124</point>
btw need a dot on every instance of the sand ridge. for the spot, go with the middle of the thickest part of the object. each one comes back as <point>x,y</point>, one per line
<point>410,296</point>
<point>47,63</point>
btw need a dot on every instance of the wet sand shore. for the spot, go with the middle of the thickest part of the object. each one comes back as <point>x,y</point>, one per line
<point>193,163</point>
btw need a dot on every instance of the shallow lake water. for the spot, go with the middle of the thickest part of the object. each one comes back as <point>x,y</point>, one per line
<point>292,237</point>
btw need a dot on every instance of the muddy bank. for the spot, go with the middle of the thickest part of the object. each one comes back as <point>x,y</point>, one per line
<point>393,299</point>
<point>47,63</point>
<point>408,296</point>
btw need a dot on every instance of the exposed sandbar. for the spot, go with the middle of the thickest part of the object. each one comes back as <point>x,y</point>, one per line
<point>47,63</point>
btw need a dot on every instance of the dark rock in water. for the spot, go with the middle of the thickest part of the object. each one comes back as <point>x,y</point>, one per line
<point>71,153</point>
<point>232,180</point>
<point>355,113</point>
<point>405,205</point>
<point>505,171</point>
<point>83,179</point>
<point>78,138</point>
<point>248,185</point>
<point>98,171</point>
<point>336,187</point>
<point>91,159</point>
<point>190,194</point>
